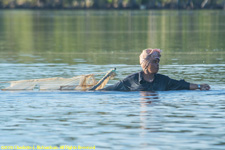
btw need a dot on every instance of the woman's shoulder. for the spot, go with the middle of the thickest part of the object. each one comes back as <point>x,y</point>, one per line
<point>130,79</point>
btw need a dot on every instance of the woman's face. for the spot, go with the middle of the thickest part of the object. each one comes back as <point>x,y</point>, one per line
<point>151,64</point>
<point>154,65</point>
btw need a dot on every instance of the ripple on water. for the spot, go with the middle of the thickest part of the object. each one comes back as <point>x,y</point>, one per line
<point>187,119</point>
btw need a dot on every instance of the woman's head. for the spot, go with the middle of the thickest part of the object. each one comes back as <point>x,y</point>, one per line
<point>149,60</point>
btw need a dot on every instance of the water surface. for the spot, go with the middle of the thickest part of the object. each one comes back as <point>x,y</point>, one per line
<point>42,44</point>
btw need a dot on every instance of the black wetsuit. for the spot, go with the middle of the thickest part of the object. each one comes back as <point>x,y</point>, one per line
<point>136,82</point>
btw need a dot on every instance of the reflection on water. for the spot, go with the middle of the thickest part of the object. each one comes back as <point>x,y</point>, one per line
<point>44,44</point>
<point>111,120</point>
<point>148,96</point>
<point>68,36</point>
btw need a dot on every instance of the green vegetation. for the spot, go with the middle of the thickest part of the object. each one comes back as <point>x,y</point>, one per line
<point>112,4</point>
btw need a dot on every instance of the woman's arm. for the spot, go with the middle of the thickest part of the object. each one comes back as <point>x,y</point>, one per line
<point>202,87</point>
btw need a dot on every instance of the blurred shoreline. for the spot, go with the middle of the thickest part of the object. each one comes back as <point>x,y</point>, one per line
<point>113,4</point>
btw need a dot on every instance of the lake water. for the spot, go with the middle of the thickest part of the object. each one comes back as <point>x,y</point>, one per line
<point>42,44</point>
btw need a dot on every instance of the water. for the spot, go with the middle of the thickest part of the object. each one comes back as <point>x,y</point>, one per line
<point>41,44</point>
